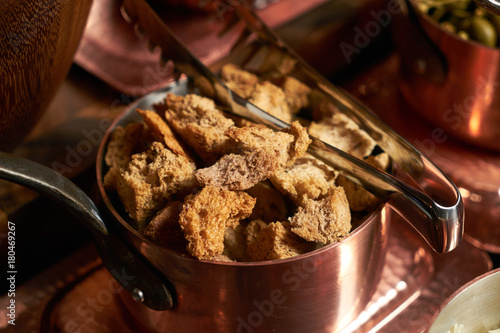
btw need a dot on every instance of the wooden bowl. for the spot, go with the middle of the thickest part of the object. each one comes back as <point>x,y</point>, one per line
<point>39,42</point>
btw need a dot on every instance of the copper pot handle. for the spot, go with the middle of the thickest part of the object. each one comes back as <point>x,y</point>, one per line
<point>130,269</point>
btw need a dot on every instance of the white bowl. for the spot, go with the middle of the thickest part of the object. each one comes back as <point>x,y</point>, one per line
<point>476,306</point>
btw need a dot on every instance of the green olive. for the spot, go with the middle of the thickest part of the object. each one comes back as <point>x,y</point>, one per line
<point>460,13</point>
<point>495,20</point>
<point>448,26</point>
<point>463,34</point>
<point>423,7</point>
<point>479,11</point>
<point>439,13</point>
<point>460,5</point>
<point>483,31</point>
<point>465,19</point>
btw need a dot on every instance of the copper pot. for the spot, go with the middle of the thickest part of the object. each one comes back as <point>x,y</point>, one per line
<point>320,291</point>
<point>453,83</point>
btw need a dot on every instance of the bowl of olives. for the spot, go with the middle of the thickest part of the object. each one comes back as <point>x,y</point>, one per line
<point>464,18</point>
<point>451,73</point>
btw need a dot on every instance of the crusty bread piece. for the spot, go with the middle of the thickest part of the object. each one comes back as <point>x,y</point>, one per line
<point>200,125</point>
<point>288,144</point>
<point>122,144</point>
<point>281,100</point>
<point>162,132</point>
<point>260,137</point>
<point>253,229</point>
<point>271,99</point>
<point>239,172</point>
<point>296,94</point>
<point>380,161</point>
<point>206,215</point>
<point>238,80</point>
<point>274,241</point>
<point>300,142</point>
<point>165,229</point>
<point>221,257</point>
<point>235,245</point>
<point>307,178</point>
<point>263,153</point>
<point>360,199</point>
<point>321,108</point>
<point>270,206</point>
<point>150,180</point>
<point>324,221</point>
<point>343,133</point>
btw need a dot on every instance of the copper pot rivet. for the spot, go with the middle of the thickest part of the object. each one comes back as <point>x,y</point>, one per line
<point>138,295</point>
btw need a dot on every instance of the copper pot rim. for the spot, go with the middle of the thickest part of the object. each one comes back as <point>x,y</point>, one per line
<point>367,219</point>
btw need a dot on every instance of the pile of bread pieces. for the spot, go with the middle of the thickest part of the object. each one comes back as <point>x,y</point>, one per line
<point>217,187</point>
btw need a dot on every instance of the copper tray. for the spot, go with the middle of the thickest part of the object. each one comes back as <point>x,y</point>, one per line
<point>475,171</point>
<point>79,295</point>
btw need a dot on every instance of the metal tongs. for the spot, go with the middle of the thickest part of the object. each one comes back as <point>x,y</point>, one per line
<point>422,195</point>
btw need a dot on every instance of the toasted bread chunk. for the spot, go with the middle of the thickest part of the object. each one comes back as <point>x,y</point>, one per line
<point>321,108</point>
<point>274,241</point>
<point>324,221</point>
<point>271,99</point>
<point>380,161</point>
<point>306,179</point>
<point>288,144</point>
<point>343,133</point>
<point>259,137</point>
<point>235,245</point>
<point>238,80</point>
<point>122,144</point>
<point>270,205</point>
<point>150,180</point>
<point>263,153</point>
<point>162,132</point>
<point>120,148</point>
<point>196,120</point>
<point>253,230</point>
<point>300,142</point>
<point>206,215</point>
<point>221,257</point>
<point>360,199</point>
<point>165,229</point>
<point>239,172</point>
<point>296,94</point>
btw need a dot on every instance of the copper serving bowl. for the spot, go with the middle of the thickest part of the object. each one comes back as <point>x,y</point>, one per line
<point>454,83</point>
